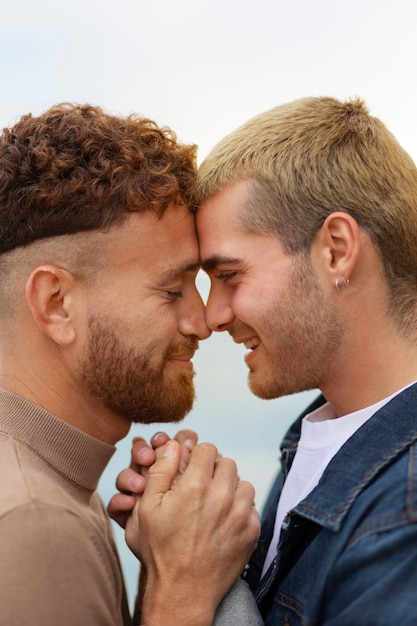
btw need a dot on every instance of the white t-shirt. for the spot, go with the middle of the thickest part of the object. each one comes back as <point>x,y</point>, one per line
<point>322,436</point>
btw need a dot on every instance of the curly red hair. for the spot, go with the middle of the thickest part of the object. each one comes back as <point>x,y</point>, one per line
<point>76,168</point>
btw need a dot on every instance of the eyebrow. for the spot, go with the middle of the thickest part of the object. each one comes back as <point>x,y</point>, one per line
<point>172,273</point>
<point>214,261</point>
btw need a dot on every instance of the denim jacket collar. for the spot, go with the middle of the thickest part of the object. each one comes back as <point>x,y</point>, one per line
<point>318,529</point>
<point>380,440</point>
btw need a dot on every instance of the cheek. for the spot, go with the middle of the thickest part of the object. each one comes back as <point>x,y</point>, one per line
<point>152,325</point>
<point>248,305</point>
<point>161,323</point>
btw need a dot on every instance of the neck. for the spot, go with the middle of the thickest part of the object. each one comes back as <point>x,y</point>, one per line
<point>68,404</point>
<point>371,367</point>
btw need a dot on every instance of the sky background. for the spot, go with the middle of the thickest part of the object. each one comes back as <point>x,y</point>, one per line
<point>203,68</point>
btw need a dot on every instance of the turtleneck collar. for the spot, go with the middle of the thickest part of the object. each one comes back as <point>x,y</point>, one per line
<point>71,452</point>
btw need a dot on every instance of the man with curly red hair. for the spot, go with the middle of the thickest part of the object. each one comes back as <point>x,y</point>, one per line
<point>99,321</point>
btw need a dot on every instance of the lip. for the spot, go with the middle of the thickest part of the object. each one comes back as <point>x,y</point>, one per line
<point>253,342</point>
<point>251,354</point>
<point>182,360</point>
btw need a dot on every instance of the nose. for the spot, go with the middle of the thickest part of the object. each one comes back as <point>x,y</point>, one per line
<point>193,320</point>
<point>219,313</point>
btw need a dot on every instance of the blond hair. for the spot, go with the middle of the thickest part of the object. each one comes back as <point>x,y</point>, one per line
<point>309,158</point>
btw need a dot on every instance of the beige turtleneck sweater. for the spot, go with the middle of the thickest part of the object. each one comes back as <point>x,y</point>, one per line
<point>58,561</point>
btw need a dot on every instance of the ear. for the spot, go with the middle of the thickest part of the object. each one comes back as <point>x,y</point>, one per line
<point>49,293</point>
<point>338,243</point>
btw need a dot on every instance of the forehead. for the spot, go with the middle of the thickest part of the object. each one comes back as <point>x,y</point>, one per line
<point>219,226</point>
<point>225,241</point>
<point>155,244</point>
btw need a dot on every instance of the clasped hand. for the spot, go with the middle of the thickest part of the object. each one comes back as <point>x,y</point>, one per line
<point>190,521</point>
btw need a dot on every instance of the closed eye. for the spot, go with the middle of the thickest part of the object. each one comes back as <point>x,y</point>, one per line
<point>226,275</point>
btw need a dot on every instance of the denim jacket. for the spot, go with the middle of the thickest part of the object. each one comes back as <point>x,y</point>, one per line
<point>347,555</point>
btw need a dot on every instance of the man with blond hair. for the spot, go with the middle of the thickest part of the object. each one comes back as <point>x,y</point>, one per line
<point>307,225</point>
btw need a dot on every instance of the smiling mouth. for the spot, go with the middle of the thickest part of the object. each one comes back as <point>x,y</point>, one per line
<point>183,361</point>
<point>252,343</point>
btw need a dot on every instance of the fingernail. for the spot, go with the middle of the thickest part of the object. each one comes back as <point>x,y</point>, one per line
<point>137,482</point>
<point>169,449</point>
<point>127,501</point>
<point>188,443</point>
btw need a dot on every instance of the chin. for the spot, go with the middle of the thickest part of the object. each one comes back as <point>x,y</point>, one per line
<point>267,391</point>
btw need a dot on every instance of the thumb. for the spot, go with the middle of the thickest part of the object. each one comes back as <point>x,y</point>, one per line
<point>163,471</point>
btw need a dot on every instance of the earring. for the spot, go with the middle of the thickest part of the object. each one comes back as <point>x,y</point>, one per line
<point>341,282</point>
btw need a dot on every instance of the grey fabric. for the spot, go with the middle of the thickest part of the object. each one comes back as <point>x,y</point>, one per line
<point>238,608</point>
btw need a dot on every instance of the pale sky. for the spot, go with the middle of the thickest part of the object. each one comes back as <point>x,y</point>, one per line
<point>204,67</point>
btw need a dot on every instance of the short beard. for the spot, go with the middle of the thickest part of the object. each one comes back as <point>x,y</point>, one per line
<point>128,384</point>
<point>309,336</point>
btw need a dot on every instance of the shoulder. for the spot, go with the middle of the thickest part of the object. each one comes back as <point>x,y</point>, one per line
<point>61,562</point>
